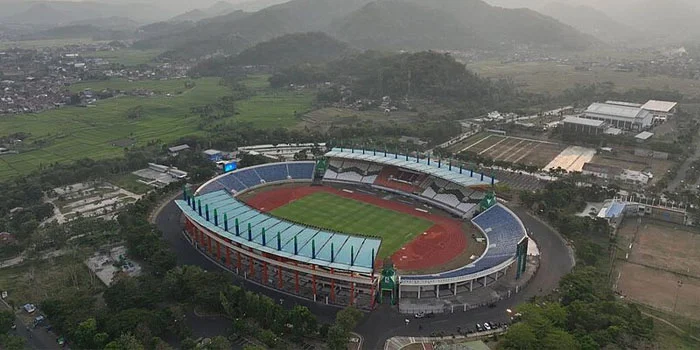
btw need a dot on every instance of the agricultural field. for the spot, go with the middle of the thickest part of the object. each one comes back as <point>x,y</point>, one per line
<point>662,267</point>
<point>171,86</point>
<point>510,149</point>
<point>553,78</point>
<point>101,131</point>
<point>336,213</point>
<point>37,44</point>
<point>324,118</point>
<point>127,57</point>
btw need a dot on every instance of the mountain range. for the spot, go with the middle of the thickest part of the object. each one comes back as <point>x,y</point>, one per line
<point>591,21</point>
<point>640,22</point>
<point>52,13</point>
<point>381,24</point>
<point>195,15</point>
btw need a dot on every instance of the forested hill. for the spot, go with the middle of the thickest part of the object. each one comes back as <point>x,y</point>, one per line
<point>291,49</point>
<point>424,75</point>
<point>382,24</point>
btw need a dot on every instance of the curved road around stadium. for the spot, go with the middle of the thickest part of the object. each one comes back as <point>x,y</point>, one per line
<point>556,260</point>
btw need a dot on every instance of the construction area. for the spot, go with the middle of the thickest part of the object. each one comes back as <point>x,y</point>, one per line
<point>95,199</point>
<point>660,267</point>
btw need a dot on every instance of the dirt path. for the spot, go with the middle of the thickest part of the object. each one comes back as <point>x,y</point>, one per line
<point>680,330</point>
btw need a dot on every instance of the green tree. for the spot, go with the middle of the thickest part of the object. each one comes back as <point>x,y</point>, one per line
<point>11,342</point>
<point>218,343</point>
<point>337,338</point>
<point>559,339</point>
<point>125,342</point>
<point>303,321</point>
<point>84,335</point>
<point>521,336</point>
<point>348,318</point>
<point>7,319</point>
<point>253,347</point>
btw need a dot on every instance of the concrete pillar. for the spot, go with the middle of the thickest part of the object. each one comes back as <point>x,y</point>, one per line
<point>399,291</point>
<point>496,275</point>
<point>437,291</point>
<point>471,285</point>
<point>418,292</point>
<point>455,288</point>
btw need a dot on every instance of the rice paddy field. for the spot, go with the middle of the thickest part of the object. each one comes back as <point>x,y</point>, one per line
<point>171,86</point>
<point>346,215</point>
<point>102,130</point>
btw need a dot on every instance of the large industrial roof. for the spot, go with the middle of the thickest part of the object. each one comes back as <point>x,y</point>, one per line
<point>659,106</point>
<point>363,249</point>
<point>584,121</point>
<point>462,177</point>
<point>613,110</point>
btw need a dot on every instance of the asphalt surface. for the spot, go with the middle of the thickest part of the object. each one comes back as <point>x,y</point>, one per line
<point>35,338</point>
<point>675,183</point>
<point>556,260</point>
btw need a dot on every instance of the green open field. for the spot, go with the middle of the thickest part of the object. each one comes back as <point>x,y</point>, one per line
<point>37,281</point>
<point>336,213</point>
<point>101,131</point>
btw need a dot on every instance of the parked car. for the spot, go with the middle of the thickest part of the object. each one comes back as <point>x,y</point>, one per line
<point>419,315</point>
<point>479,328</point>
<point>487,326</point>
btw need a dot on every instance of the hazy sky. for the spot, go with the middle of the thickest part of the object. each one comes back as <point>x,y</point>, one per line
<point>181,5</point>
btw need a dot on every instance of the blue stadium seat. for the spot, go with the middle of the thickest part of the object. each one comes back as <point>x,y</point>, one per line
<point>232,183</point>
<point>301,170</point>
<point>248,177</point>
<point>503,230</point>
<point>272,172</point>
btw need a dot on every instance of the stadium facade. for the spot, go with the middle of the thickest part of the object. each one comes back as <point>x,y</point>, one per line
<point>338,268</point>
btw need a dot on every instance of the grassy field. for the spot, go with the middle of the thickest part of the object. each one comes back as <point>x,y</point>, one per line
<point>131,183</point>
<point>127,57</point>
<point>172,86</point>
<point>346,215</point>
<point>100,131</point>
<point>37,281</point>
<point>553,78</point>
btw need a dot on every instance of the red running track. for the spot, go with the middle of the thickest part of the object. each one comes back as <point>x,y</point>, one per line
<point>441,243</point>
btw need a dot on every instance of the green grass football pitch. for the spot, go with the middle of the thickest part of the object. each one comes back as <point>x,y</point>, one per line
<point>346,215</point>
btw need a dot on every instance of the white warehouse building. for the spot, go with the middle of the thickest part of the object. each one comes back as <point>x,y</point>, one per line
<point>630,116</point>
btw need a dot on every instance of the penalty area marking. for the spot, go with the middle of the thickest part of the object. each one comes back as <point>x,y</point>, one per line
<point>421,210</point>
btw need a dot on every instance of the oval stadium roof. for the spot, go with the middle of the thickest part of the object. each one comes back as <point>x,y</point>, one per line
<point>463,177</point>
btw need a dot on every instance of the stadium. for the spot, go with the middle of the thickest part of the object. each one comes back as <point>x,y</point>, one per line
<point>358,227</point>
